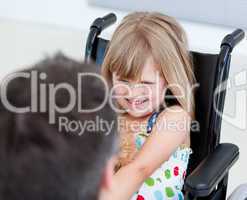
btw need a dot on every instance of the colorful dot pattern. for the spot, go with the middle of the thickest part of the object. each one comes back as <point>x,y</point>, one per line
<point>167,181</point>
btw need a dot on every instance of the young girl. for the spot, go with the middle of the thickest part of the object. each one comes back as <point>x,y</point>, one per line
<point>148,64</point>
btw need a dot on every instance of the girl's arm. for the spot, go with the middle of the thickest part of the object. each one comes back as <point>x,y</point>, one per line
<point>166,136</point>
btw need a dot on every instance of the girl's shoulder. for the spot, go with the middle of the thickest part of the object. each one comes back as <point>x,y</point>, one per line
<point>174,119</point>
<point>169,114</point>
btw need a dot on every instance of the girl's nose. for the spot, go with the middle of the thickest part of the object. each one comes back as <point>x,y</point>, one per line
<point>136,90</point>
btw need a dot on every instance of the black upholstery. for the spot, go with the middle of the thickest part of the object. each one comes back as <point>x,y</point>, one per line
<point>202,142</point>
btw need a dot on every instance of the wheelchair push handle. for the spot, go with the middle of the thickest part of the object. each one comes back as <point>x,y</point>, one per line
<point>109,19</point>
<point>97,26</point>
<point>233,39</point>
<point>102,23</point>
<point>238,35</point>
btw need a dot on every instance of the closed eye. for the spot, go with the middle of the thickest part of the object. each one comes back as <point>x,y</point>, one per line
<point>122,80</point>
<point>147,82</point>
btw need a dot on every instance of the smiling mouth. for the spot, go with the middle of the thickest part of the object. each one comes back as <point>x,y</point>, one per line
<point>136,102</point>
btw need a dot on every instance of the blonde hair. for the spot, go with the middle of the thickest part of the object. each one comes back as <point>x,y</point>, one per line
<point>144,34</point>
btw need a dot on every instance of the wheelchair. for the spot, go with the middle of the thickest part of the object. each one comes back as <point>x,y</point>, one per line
<point>211,160</point>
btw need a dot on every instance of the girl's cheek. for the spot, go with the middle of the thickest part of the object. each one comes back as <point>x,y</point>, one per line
<point>148,91</point>
<point>121,91</point>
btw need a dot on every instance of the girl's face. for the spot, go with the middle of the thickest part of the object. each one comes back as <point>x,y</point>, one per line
<point>140,98</point>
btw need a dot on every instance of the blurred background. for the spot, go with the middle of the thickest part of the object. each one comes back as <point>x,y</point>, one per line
<point>33,29</point>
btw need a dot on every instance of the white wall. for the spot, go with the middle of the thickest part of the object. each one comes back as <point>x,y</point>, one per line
<point>67,13</point>
<point>224,12</point>
<point>77,14</point>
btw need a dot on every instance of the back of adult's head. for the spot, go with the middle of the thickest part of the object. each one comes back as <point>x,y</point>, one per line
<point>52,146</point>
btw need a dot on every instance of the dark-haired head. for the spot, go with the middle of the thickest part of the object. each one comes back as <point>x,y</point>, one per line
<point>52,153</point>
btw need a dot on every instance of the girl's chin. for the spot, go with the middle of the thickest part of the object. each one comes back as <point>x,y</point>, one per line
<point>138,113</point>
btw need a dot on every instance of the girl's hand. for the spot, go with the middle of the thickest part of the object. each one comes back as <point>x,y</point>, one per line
<point>127,130</point>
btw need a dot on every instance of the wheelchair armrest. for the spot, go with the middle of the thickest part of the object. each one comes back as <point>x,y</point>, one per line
<point>203,180</point>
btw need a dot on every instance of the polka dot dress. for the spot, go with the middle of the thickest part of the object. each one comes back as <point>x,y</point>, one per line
<point>167,181</point>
